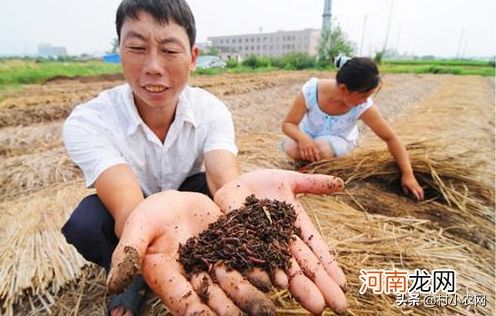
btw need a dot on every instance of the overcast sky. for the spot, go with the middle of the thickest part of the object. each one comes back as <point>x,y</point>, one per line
<point>423,27</point>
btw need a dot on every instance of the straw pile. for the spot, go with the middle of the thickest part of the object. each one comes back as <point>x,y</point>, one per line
<point>368,241</point>
<point>29,173</point>
<point>42,104</point>
<point>36,138</point>
<point>36,261</point>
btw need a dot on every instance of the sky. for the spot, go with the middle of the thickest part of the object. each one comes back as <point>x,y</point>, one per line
<point>444,28</point>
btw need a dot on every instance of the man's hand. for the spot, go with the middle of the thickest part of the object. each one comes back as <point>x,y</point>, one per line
<point>149,244</point>
<point>314,277</point>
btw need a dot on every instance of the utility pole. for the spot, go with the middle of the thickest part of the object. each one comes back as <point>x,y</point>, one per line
<point>363,34</point>
<point>398,42</point>
<point>458,52</point>
<point>388,26</point>
<point>464,48</point>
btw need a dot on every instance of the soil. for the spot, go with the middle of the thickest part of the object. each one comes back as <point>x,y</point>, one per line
<point>128,268</point>
<point>255,235</point>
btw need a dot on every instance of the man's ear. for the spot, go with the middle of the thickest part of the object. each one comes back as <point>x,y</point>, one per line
<point>194,57</point>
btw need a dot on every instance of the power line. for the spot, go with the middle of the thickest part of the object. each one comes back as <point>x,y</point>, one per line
<point>458,51</point>
<point>363,34</point>
<point>388,26</point>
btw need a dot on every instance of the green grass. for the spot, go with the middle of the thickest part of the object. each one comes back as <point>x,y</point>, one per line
<point>14,73</point>
<point>455,67</point>
<point>438,69</point>
<point>417,62</point>
<point>19,72</point>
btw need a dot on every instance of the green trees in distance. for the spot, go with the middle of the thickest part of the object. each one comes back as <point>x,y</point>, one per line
<point>339,44</point>
<point>290,61</point>
<point>115,46</point>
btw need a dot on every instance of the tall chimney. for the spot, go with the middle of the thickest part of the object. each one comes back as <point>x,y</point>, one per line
<point>325,32</point>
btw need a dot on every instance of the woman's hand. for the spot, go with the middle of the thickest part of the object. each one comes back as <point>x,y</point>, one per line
<point>314,277</point>
<point>410,184</point>
<point>149,245</point>
<point>308,148</point>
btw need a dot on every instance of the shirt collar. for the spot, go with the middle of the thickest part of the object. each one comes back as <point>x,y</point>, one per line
<point>134,120</point>
<point>184,110</point>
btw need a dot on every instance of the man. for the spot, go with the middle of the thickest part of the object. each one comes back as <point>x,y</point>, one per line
<point>153,134</point>
<point>149,135</point>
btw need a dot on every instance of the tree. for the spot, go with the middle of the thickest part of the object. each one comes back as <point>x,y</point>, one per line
<point>115,46</point>
<point>378,57</point>
<point>339,45</point>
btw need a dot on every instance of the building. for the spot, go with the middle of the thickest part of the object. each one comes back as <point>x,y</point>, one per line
<point>269,44</point>
<point>227,53</point>
<point>45,49</point>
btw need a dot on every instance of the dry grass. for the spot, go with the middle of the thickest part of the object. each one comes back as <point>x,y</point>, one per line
<point>368,241</point>
<point>451,137</point>
<point>36,138</point>
<point>29,173</point>
<point>34,114</point>
<point>36,261</point>
<point>454,193</point>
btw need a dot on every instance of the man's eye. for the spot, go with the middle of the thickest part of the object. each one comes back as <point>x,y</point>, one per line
<point>168,51</point>
<point>137,48</point>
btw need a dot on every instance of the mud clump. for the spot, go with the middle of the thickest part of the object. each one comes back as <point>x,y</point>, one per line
<point>128,268</point>
<point>255,235</point>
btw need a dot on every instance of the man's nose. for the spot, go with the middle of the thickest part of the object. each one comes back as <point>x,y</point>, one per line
<point>153,63</point>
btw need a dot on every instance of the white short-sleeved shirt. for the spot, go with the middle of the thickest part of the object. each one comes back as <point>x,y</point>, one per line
<point>108,130</point>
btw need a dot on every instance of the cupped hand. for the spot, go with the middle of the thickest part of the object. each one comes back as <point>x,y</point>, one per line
<point>149,245</point>
<point>411,184</point>
<point>308,149</point>
<point>314,277</point>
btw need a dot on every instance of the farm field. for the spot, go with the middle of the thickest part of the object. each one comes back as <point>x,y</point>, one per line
<point>446,121</point>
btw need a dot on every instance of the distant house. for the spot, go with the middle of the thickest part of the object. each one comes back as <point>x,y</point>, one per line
<point>46,49</point>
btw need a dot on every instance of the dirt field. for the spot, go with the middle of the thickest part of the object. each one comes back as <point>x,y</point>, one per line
<point>40,274</point>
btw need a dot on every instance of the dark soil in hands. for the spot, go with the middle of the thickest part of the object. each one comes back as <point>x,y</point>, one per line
<point>256,235</point>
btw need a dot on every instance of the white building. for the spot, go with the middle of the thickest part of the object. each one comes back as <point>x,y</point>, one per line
<point>46,49</point>
<point>270,44</point>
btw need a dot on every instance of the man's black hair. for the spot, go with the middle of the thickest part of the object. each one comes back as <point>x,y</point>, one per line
<point>162,10</point>
<point>359,74</point>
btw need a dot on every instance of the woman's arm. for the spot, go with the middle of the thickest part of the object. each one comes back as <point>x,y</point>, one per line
<point>381,128</point>
<point>306,145</point>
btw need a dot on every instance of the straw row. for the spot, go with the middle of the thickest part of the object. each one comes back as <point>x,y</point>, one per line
<point>35,257</point>
<point>37,138</point>
<point>29,173</point>
<point>368,241</point>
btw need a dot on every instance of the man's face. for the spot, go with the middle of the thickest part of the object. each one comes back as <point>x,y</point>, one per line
<point>156,59</point>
